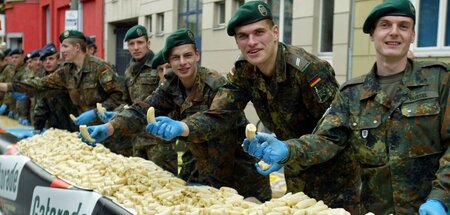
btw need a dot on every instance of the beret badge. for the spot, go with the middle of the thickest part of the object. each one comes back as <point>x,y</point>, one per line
<point>139,32</point>
<point>190,35</point>
<point>262,10</point>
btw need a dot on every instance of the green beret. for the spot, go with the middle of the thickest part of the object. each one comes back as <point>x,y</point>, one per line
<point>16,51</point>
<point>158,60</point>
<point>34,53</point>
<point>135,32</point>
<point>248,13</point>
<point>180,37</point>
<point>389,8</point>
<point>71,34</point>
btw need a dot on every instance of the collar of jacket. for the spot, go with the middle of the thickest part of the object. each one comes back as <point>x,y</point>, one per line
<point>412,77</point>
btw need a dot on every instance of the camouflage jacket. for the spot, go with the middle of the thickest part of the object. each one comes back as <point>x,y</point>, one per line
<point>289,104</point>
<point>7,75</point>
<point>401,144</point>
<point>139,85</point>
<point>219,160</point>
<point>95,82</point>
<point>53,112</point>
<point>24,107</point>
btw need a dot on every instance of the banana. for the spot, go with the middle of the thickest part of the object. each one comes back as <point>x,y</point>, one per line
<point>85,133</point>
<point>101,110</point>
<point>151,115</point>
<point>250,133</point>
<point>72,117</point>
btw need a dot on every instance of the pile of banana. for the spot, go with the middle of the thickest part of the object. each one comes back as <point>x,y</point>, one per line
<point>142,186</point>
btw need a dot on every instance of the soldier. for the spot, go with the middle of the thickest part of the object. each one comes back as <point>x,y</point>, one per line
<point>24,104</point>
<point>6,75</point>
<point>220,160</point>
<point>140,81</point>
<point>396,119</point>
<point>18,60</point>
<point>86,79</point>
<point>7,55</point>
<point>52,112</point>
<point>161,66</point>
<point>91,47</point>
<point>290,90</point>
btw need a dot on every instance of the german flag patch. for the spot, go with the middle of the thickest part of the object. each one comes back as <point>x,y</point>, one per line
<point>314,81</point>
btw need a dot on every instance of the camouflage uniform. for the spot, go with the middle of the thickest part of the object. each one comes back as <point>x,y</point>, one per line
<point>220,160</point>
<point>289,104</point>
<point>140,82</point>
<point>95,82</point>
<point>18,74</point>
<point>24,108</point>
<point>7,75</point>
<point>53,112</point>
<point>401,144</point>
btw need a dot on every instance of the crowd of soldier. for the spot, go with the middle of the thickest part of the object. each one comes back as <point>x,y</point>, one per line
<point>380,143</point>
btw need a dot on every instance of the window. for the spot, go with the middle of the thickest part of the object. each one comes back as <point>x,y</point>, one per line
<point>190,16</point>
<point>282,16</point>
<point>219,13</point>
<point>326,26</point>
<point>237,4</point>
<point>48,25</point>
<point>432,28</point>
<point>160,24</point>
<point>149,24</point>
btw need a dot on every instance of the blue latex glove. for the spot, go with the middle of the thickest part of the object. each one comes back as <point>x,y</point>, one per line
<point>26,122</point>
<point>107,116</point>
<point>86,117</point>
<point>267,148</point>
<point>165,128</point>
<point>19,96</point>
<point>97,132</point>
<point>3,109</point>
<point>11,114</point>
<point>274,167</point>
<point>432,207</point>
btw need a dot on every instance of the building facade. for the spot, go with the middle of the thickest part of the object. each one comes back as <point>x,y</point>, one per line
<point>30,24</point>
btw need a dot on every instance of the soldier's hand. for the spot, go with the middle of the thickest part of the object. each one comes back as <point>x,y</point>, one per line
<point>3,109</point>
<point>432,207</point>
<point>98,132</point>
<point>267,148</point>
<point>165,128</point>
<point>86,117</point>
<point>107,116</point>
<point>19,96</point>
<point>274,167</point>
<point>24,121</point>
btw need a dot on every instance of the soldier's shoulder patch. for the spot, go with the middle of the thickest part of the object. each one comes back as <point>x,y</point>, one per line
<point>435,63</point>
<point>354,81</point>
<point>297,61</point>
